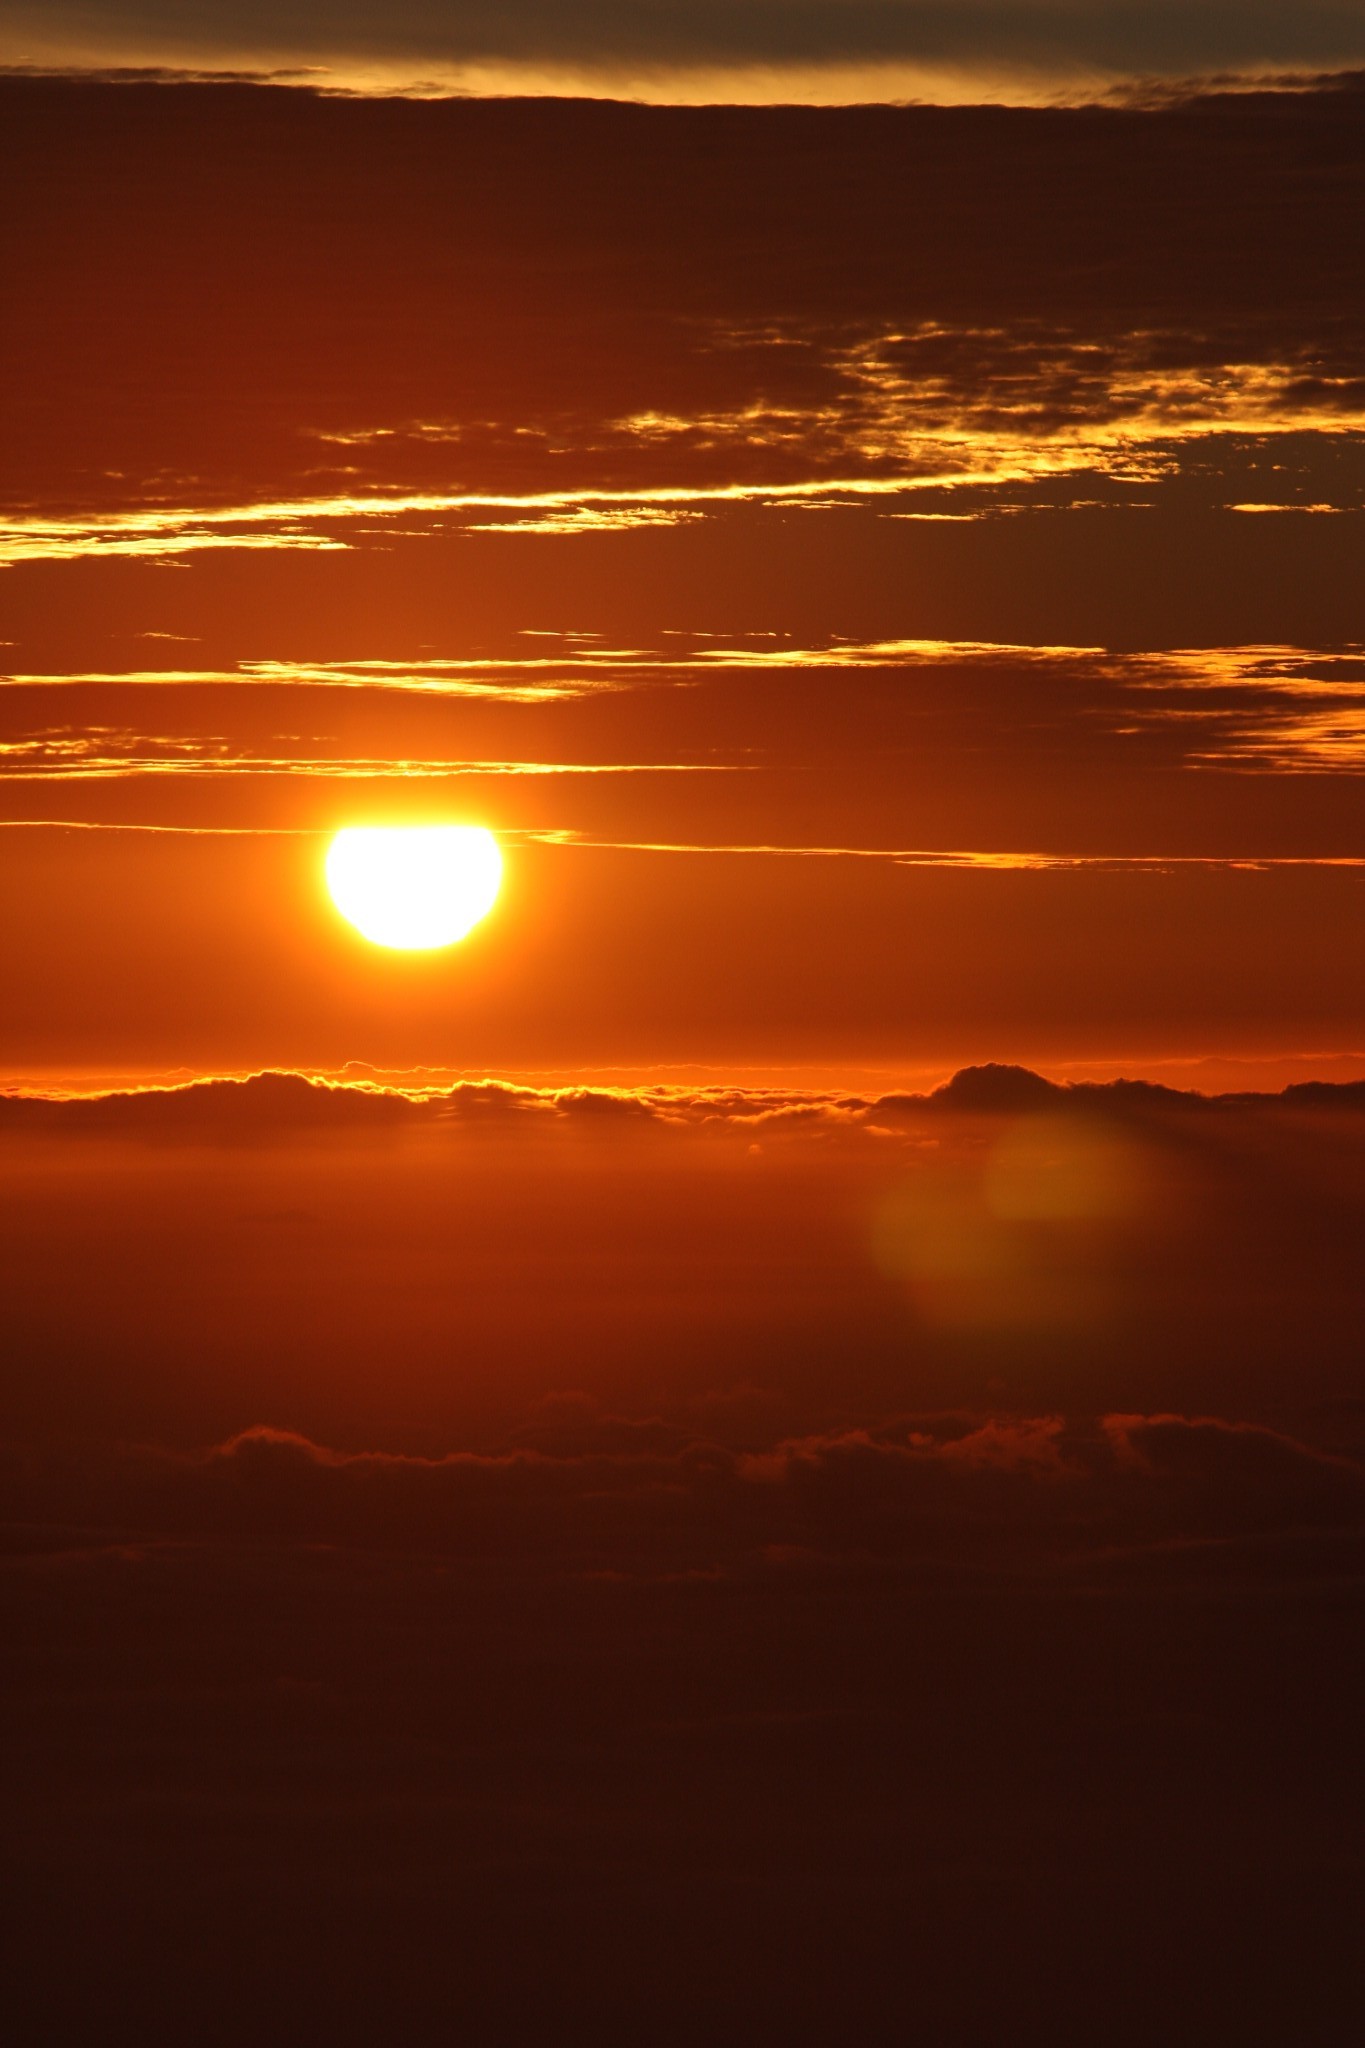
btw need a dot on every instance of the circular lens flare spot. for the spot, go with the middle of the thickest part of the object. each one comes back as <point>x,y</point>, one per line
<point>414,887</point>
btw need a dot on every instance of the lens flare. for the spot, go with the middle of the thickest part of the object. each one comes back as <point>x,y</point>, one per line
<point>1059,1169</point>
<point>414,887</point>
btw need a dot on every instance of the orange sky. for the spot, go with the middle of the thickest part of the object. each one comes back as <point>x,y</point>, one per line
<point>891,618</point>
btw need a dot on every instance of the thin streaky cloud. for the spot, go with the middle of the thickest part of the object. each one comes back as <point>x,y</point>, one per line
<point>423,678</point>
<point>589,519</point>
<point>1261,709</point>
<point>140,827</point>
<point>166,530</point>
<point>78,542</point>
<point>563,676</point>
<point>907,432</point>
<point>944,857</point>
<point>974,861</point>
<point>579,667</point>
<point>68,759</point>
<point>1249,709</point>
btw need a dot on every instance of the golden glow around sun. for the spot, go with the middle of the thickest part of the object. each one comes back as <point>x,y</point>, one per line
<point>414,887</point>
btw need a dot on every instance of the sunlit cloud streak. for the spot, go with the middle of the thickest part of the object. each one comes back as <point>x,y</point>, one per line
<point>166,531</point>
<point>589,519</point>
<point>140,826</point>
<point>952,412</point>
<point>47,541</point>
<point>1299,712</point>
<point>576,668</point>
<point>1254,708</point>
<point>977,405</point>
<point>912,462</point>
<point>67,756</point>
<point>486,681</point>
<point>992,479</point>
<point>984,861</point>
<point>996,861</point>
<point>1298,670</point>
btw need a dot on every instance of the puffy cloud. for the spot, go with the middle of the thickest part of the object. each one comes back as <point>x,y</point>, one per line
<point>820,1715</point>
<point>281,1102</point>
<point>644,1496</point>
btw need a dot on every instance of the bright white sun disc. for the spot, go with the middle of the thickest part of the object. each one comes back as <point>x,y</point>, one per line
<point>414,886</point>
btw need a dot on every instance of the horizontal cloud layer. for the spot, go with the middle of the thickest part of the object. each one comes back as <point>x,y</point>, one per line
<point>614,42</point>
<point>590,1491</point>
<point>284,1102</point>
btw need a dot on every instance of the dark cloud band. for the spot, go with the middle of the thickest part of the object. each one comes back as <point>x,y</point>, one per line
<point>615,38</point>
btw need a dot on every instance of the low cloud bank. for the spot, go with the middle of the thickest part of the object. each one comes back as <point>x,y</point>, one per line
<point>585,1491</point>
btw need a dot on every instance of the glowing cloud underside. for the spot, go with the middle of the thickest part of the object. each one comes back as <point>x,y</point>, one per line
<point>414,887</point>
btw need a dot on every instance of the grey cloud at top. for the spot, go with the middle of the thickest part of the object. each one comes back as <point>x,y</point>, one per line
<point>1056,39</point>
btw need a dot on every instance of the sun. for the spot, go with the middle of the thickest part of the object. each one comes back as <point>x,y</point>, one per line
<point>414,887</point>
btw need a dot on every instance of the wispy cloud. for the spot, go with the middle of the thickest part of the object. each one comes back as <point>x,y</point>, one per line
<point>997,861</point>
<point>1253,708</point>
<point>963,406</point>
<point>573,666</point>
<point>589,519</point>
<point>982,860</point>
<point>489,681</point>
<point>1286,710</point>
<point>328,521</point>
<point>1250,709</point>
<point>976,416</point>
<point>98,753</point>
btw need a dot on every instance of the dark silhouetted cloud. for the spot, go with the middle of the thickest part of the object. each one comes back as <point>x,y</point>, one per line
<point>262,1105</point>
<point>644,1496</point>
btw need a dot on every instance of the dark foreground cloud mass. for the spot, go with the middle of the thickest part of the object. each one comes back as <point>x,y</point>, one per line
<point>720,1564</point>
<point>582,1491</point>
<point>597,1735</point>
